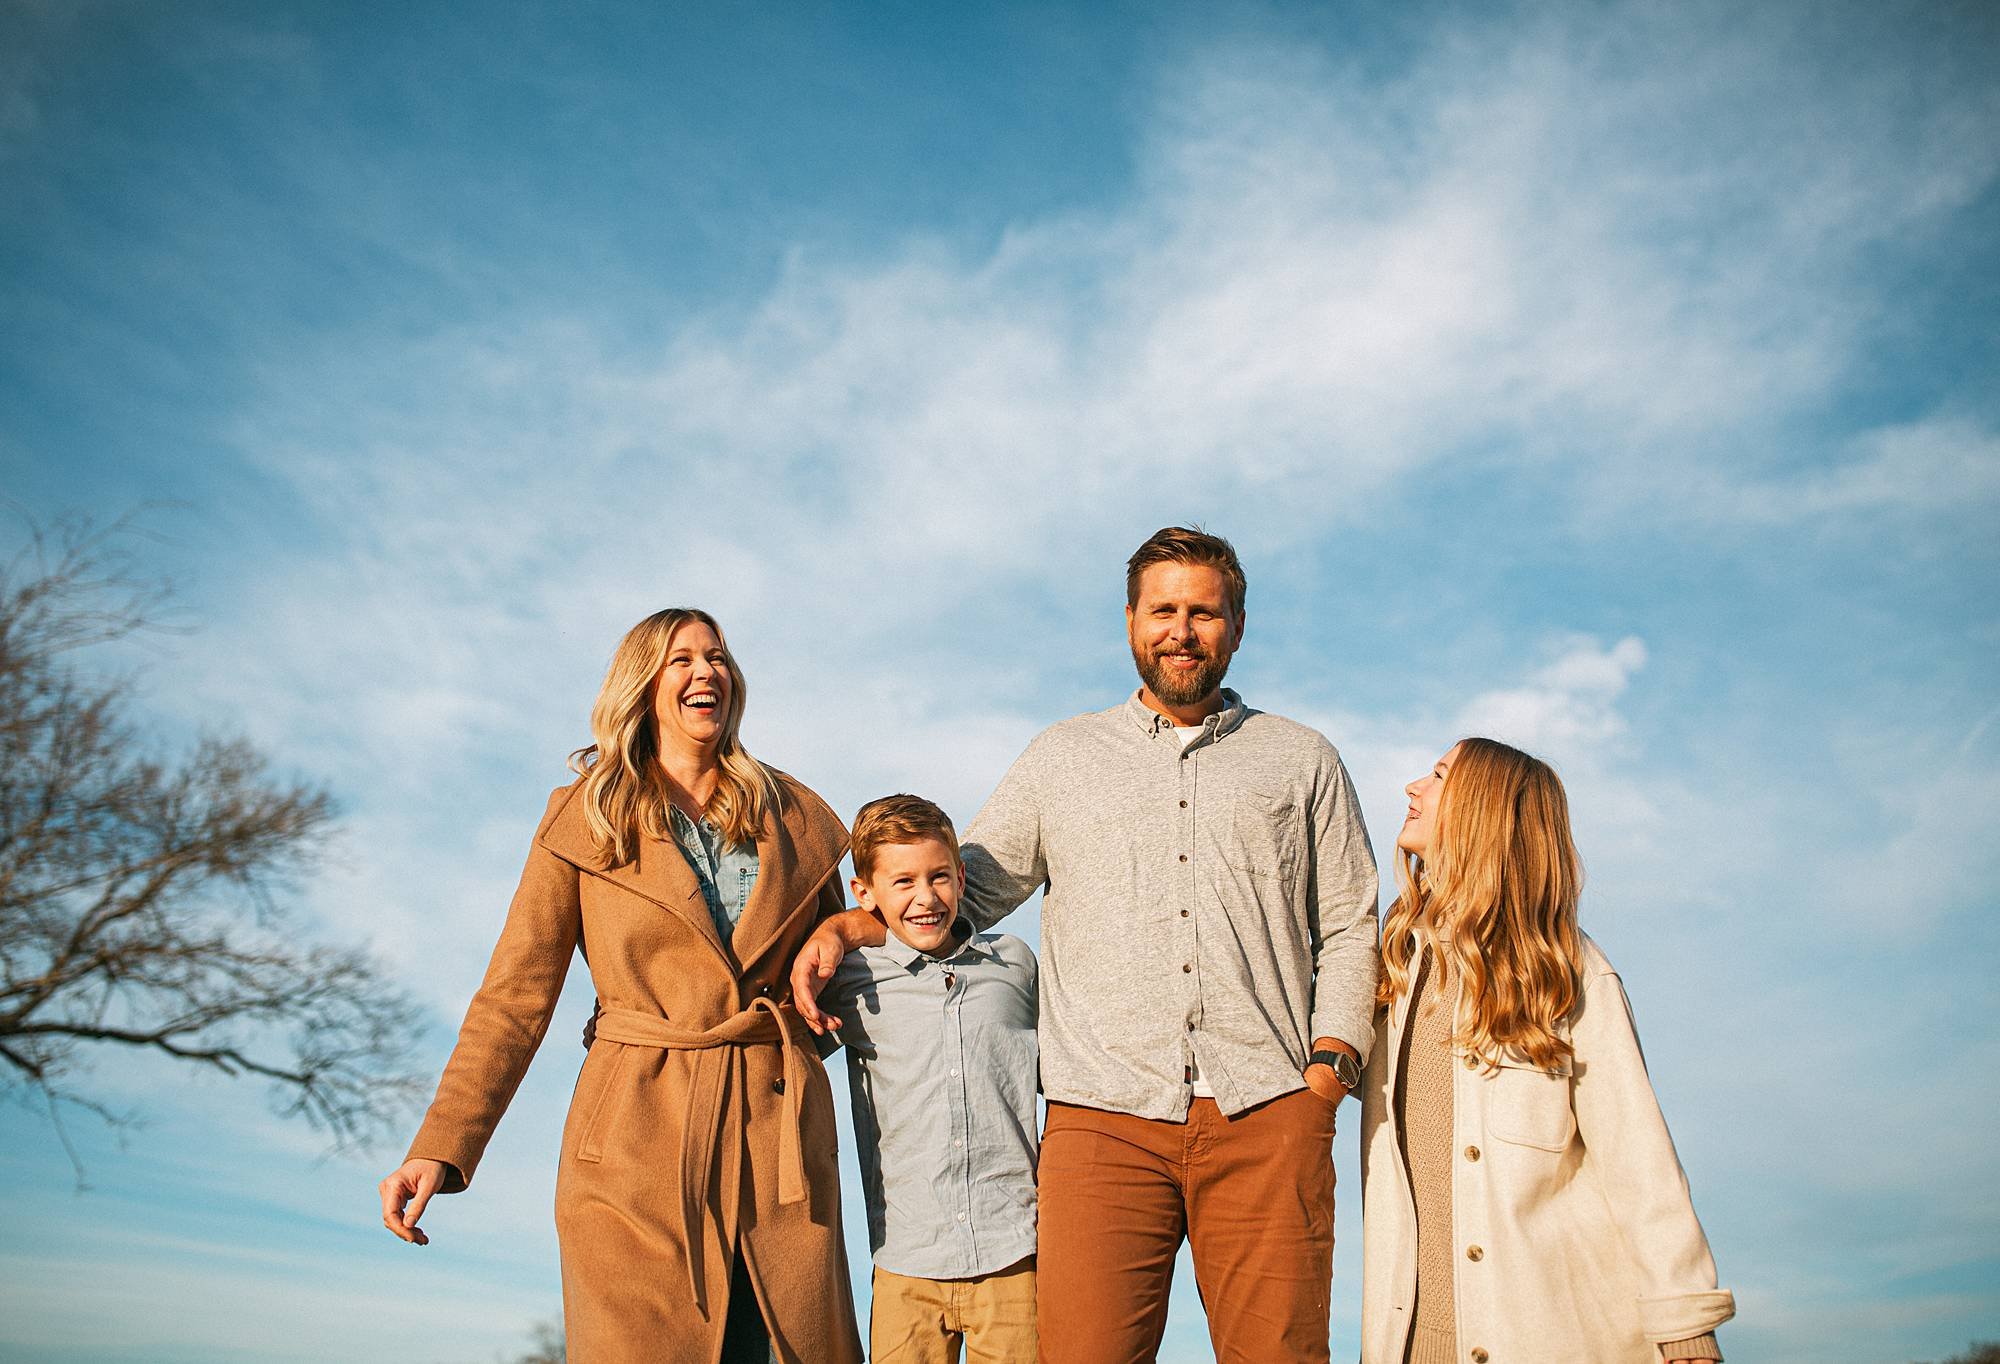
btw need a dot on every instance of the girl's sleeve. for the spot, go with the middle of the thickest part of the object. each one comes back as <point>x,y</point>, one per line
<point>1628,1149</point>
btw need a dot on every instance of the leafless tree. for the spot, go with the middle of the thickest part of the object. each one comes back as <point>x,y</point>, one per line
<point>547,1346</point>
<point>140,887</point>
<point>1978,1352</point>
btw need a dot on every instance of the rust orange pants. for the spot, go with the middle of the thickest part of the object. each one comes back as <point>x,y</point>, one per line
<point>1252,1195</point>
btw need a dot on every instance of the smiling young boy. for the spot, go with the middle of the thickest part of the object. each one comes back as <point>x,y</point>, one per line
<point>942,1070</point>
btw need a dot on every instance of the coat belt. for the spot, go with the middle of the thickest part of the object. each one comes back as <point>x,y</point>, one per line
<point>718,1067</point>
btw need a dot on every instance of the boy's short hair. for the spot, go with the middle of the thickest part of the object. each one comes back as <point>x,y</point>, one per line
<point>1187,545</point>
<point>898,819</point>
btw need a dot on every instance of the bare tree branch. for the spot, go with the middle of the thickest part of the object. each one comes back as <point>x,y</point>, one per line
<point>141,894</point>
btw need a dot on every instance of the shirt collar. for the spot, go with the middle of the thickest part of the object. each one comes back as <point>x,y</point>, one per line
<point>906,956</point>
<point>1222,722</point>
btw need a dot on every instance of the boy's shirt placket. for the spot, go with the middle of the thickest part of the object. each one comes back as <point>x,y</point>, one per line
<point>960,1106</point>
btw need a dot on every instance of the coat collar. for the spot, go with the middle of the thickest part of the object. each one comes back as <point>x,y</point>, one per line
<point>796,851</point>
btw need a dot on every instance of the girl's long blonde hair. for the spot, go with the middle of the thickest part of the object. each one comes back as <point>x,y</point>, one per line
<point>1500,886</point>
<point>624,786</point>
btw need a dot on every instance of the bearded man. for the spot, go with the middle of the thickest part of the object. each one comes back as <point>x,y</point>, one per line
<point>1207,983</point>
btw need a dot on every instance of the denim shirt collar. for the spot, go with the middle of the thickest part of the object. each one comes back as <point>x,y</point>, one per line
<point>1215,726</point>
<point>685,828</point>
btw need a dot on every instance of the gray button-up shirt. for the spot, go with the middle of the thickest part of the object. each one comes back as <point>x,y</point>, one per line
<point>727,872</point>
<point>1213,904</point>
<point>941,1069</point>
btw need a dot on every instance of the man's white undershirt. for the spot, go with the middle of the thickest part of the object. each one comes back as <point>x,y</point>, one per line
<point>1188,734</point>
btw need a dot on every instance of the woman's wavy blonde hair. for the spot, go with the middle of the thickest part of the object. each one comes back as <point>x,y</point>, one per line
<point>624,786</point>
<point>1500,885</point>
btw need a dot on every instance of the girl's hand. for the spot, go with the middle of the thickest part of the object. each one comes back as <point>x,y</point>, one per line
<point>412,1184</point>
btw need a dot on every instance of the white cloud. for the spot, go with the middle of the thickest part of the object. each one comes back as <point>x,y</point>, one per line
<point>1568,705</point>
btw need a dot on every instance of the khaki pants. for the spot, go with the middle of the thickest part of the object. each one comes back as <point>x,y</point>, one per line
<point>924,1321</point>
<point>1253,1196</point>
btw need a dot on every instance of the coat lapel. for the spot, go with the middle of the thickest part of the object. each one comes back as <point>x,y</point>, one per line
<point>660,873</point>
<point>796,851</point>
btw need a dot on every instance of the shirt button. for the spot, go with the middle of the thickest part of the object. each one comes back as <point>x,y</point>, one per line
<point>1474,1253</point>
<point>1472,1153</point>
<point>954,1074</point>
<point>961,1217</point>
<point>958,1141</point>
<point>1190,1027</point>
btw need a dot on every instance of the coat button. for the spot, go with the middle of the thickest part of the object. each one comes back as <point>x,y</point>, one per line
<point>1472,1153</point>
<point>1183,805</point>
<point>1479,1357</point>
<point>764,991</point>
<point>1474,1253</point>
<point>1185,968</point>
<point>778,1085</point>
<point>1183,857</point>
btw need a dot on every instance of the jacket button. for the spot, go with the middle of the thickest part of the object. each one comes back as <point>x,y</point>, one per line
<point>1474,1253</point>
<point>1472,1153</point>
<point>1185,968</point>
<point>778,1085</point>
<point>1183,857</point>
<point>764,991</point>
<point>1183,805</point>
<point>1479,1357</point>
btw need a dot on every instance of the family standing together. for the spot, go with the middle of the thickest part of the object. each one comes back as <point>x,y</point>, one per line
<point>1210,989</point>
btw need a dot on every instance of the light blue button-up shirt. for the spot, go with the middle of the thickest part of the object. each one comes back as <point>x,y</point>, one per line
<point>942,1069</point>
<point>727,871</point>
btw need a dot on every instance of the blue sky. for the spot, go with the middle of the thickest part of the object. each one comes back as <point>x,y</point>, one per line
<point>1617,379</point>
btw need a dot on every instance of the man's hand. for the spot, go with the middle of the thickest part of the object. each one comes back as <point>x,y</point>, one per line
<point>821,957</point>
<point>1320,1079</point>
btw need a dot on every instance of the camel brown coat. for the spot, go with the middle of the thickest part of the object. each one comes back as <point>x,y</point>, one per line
<point>702,1120</point>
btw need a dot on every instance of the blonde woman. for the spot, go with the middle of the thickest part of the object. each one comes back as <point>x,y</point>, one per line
<point>1522,1199</point>
<point>697,1202</point>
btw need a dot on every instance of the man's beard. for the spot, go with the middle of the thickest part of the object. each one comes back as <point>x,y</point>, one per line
<point>1179,688</point>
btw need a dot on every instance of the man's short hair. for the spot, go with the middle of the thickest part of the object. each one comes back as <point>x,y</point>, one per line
<point>1187,545</point>
<point>898,819</point>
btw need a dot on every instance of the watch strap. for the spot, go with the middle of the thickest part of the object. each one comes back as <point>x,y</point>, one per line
<point>1345,1068</point>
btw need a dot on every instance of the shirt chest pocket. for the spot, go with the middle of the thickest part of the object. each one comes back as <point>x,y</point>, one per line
<point>1258,833</point>
<point>1529,1106</point>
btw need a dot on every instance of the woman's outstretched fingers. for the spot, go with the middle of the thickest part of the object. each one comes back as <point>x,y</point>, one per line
<point>404,1194</point>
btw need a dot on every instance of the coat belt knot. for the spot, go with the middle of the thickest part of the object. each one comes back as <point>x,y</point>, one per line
<point>718,1069</point>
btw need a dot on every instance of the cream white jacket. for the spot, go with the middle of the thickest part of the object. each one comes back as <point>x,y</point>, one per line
<point>1575,1239</point>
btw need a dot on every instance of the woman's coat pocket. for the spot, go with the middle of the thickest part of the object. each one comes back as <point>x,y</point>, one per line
<point>1529,1106</point>
<point>598,1101</point>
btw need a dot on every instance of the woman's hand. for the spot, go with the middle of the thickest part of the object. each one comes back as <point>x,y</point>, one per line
<point>412,1184</point>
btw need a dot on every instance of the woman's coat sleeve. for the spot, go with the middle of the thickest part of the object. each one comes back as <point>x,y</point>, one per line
<point>1632,1157</point>
<point>507,1017</point>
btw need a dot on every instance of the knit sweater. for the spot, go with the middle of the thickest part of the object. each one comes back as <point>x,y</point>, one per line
<point>1424,1136</point>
